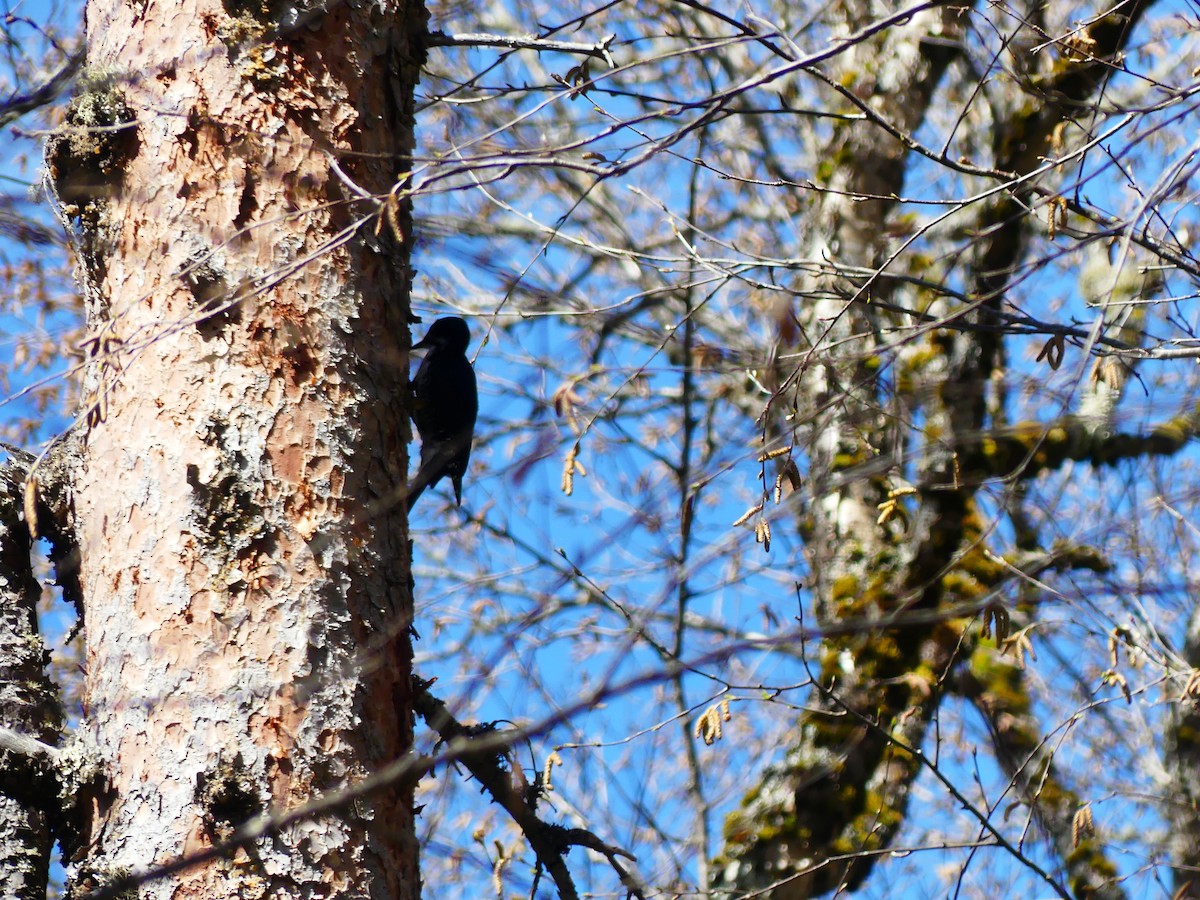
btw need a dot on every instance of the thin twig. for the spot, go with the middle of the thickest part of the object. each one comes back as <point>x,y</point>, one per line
<point>524,42</point>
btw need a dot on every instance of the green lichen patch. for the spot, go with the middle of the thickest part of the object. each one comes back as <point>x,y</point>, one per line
<point>88,156</point>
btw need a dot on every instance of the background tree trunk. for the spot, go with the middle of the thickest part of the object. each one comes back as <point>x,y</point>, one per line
<point>878,690</point>
<point>29,707</point>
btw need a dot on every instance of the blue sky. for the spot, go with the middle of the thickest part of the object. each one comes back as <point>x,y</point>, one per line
<point>513,632</point>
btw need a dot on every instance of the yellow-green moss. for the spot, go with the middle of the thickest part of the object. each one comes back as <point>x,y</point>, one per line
<point>831,165</point>
<point>1098,866</point>
<point>849,460</point>
<point>1174,430</point>
<point>867,830</point>
<point>843,587</point>
<point>1187,736</point>
<point>1001,681</point>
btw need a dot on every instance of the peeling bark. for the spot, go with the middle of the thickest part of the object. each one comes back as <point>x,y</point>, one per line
<point>247,593</point>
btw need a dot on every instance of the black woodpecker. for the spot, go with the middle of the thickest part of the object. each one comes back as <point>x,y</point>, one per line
<point>444,406</point>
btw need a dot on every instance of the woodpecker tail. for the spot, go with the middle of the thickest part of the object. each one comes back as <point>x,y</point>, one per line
<point>436,465</point>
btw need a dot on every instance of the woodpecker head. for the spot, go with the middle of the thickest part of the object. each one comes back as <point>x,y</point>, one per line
<point>450,333</point>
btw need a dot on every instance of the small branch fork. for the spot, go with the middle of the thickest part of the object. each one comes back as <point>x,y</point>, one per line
<point>491,765</point>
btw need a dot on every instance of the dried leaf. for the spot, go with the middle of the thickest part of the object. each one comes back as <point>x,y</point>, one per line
<point>551,761</point>
<point>1083,826</point>
<point>1113,678</point>
<point>793,475</point>
<point>1053,351</point>
<point>774,454</point>
<point>1019,646</point>
<point>570,466</point>
<point>762,534</point>
<point>708,726</point>
<point>996,614</point>
<point>1192,687</point>
<point>741,520</point>
<point>31,492</point>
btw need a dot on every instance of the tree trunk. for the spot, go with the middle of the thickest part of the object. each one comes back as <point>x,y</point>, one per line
<point>881,549</point>
<point>247,597</point>
<point>29,706</point>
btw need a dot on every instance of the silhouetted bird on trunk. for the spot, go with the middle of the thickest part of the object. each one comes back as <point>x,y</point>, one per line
<point>444,407</point>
